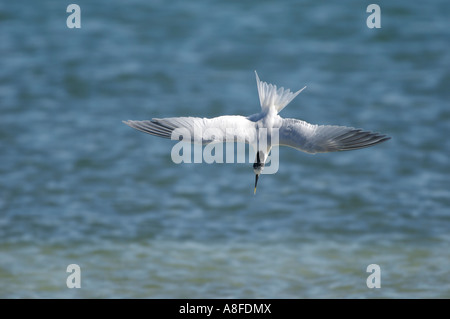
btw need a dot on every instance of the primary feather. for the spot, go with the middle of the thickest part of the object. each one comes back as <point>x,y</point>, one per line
<point>325,138</point>
<point>232,128</point>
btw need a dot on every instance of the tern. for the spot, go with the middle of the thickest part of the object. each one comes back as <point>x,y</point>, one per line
<point>293,133</point>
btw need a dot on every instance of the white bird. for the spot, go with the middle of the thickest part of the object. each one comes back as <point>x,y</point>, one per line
<point>294,133</point>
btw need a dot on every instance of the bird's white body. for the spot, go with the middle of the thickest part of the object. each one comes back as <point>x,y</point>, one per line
<point>289,132</point>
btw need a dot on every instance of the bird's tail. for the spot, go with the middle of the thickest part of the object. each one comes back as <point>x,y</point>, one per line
<point>271,96</point>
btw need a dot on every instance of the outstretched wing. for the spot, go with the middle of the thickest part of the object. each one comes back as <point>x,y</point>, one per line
<point>270,96</point>
<point>325,138</point>
<point>220,129</point>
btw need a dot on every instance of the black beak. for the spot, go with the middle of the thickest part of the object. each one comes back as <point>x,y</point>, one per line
<point>256,182</point>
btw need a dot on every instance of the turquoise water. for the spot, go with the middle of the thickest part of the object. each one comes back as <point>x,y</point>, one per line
<point>79,187</point>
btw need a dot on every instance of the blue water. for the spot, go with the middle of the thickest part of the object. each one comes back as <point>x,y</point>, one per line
<point>77,186</point>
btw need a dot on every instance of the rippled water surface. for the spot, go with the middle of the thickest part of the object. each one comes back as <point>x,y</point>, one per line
<point>79,187</point>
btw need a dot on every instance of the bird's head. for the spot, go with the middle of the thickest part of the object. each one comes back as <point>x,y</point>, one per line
<point>258,167</point>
